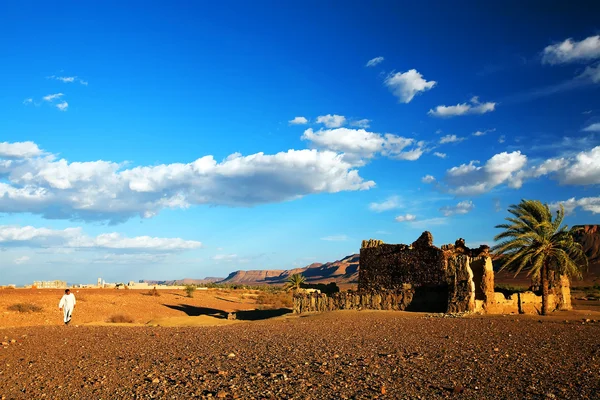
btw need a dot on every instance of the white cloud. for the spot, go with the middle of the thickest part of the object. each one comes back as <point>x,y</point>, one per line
<point>592,128</point>
<point>358,145</point>
<point>63,106</point>
<point>298,121</point>
<point>361,123</point>
<point>482,133</point>
<point>406,218</point>
<point>428,179</point>
<point>68,79</point>
<point>21,260</point>
<point>28,101</point>
<point>502,139</point>
<point>74,238</point>
<point>407,85</point>
<point>572,51</point>
<point>331,121</point>
<point>451,139</point>
<point>583,169</point>
<point>374,61</point>
<point>335,238</point>
<point>590,74</point>
<point>390,203</point>
<point>440,155</point>
<point>464,207</point>
<point>52,97</point>
<point>475,107</point>
<point>19,150</point>
<point>470,179</point>
<point>510,168</point>
<point>105,191</point>
<point>591,204</point>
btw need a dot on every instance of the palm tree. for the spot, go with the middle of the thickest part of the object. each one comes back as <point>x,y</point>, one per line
<point>534,242</point>
<point>294,282</point>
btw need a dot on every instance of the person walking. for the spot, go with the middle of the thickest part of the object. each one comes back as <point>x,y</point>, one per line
<point>67,304</point>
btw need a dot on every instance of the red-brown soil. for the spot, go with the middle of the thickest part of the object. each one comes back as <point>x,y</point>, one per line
<point>341,355</point>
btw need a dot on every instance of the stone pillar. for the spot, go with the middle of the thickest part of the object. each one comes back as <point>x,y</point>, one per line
<point>461,288</point>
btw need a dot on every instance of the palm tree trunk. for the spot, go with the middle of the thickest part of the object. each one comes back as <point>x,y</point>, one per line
<point>545,289</point>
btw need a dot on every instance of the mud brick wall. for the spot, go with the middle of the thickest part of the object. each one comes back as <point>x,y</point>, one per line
<point>389,266</point>
<point>319,302</point>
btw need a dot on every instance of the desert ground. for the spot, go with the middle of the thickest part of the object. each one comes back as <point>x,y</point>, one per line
<point>179,347</point>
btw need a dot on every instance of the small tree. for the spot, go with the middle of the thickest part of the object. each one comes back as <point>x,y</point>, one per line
<point>534,242</point>
<point>190,289</point>
<point>295,282</point>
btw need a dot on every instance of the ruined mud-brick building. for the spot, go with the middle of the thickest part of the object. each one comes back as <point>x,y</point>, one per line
<point>423,277</point>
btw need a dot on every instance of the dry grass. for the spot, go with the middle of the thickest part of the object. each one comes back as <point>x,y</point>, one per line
<point>25,307</point>
<point>153,292</point>
<point>120,319</point>
<point>275,300</point>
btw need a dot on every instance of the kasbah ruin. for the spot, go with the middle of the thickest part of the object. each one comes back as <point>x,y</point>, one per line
<point>423,277</point>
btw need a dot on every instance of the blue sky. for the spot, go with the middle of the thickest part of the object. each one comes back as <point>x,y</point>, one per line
<point>161,141</point>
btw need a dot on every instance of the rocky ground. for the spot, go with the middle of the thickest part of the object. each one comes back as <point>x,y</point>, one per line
<point>344,354</point>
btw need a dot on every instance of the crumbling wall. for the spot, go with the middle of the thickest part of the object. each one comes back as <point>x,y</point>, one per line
<point>388,267</point>
<point>319,302</point>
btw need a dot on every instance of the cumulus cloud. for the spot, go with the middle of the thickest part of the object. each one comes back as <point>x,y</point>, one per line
<point>572,51</point>
<point>592,128</point>
<point>464,207</point>
<point>21,260</point>
<point>374,61</point>
<point>590,74</point>
<point>331,121</point>
<point>19,150</point>
<point>390,203</point>
<point>473,107</point>
<point>361,123</point>
<point>510,168</point>
<point>471,179</point>
<point>440,155</point>
<point>451,139</point>
<point>428,179</point>
<point>358,145</point>
<point>298,121</point>
<point>106,191</point>
<point>406,218</point>
<point>74,238</point>
<point>62,106</point>
<point>335,238</point>
<point>591,204</point>
<point>406,85</point>
<point>52,97</point>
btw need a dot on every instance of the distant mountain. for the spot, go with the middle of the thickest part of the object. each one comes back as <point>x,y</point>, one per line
<point>345,271</point>
<point>186,281</point>
<point>341,271</point>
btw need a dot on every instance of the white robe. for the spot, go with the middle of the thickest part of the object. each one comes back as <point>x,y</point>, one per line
<point>67,303</point>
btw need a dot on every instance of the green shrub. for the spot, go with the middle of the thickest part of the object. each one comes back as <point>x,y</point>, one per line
<point>190,289</point>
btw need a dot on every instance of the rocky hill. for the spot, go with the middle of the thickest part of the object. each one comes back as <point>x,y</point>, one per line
<point>341,271</point>
<point>185,281</point>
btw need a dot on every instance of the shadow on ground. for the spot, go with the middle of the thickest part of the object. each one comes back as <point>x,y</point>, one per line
<point>246,315</point>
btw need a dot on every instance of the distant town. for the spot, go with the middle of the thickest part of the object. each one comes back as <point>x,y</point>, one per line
<point>100,284</point>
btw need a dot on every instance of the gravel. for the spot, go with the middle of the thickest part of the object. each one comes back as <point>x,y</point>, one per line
<point>338,355</point>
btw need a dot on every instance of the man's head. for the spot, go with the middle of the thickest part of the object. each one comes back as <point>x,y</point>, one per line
<point>67,291</point>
